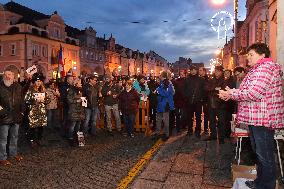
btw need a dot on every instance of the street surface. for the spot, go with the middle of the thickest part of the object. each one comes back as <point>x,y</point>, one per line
<point>102,163</point>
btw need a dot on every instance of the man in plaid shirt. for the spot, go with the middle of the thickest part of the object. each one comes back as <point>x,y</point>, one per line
<point>261,107</point>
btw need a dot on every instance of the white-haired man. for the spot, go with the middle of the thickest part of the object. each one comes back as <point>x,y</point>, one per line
<point>10,114</point>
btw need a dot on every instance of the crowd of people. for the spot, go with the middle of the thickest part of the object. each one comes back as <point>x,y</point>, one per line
<point>175,104</point>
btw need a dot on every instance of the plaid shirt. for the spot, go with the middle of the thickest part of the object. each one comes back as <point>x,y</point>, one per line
<point>260,96</point>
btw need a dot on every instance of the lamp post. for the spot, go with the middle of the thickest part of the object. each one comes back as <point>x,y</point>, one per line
<point>235,47</point>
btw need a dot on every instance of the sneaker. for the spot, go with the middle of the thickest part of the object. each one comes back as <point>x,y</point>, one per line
<point>250,184</point>
<point>5,162</point>
<point>132,135</point>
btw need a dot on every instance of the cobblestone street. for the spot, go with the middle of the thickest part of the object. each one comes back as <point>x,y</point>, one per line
<point>102,163</point>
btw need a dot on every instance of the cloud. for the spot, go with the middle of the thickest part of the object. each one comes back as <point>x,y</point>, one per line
<point>172,28</point>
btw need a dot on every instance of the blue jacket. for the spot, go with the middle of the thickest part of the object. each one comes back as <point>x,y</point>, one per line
<point>165,98</point>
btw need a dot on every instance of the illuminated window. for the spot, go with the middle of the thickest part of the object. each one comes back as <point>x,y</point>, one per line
<point>13,49</point>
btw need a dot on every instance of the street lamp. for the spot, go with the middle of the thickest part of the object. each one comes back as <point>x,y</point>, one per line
<point>218,2</point>
<point>235,47</point>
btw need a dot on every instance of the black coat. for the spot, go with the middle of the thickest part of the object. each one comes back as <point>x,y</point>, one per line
<point>76,110</point>
<point>153,85</point>
<point>109,100</point>
<point>92,94</point>
<point>194,89</point>
<point>11,103</point>
<point>213,86</point>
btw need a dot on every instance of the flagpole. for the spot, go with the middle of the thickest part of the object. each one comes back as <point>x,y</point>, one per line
<point>57,67</point>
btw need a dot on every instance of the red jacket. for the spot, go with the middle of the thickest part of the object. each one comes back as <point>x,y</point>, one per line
<point>129,101</point>
<point>260,96</point>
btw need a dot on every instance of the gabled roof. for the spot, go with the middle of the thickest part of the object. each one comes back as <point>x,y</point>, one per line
<point>28,14</point>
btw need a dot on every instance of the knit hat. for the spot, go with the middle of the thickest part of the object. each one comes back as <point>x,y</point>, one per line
<point>37,77</point>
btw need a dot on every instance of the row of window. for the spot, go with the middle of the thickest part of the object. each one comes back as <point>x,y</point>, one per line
<point>12,48</point>
<point>39,50</point>
<point>91,55</point>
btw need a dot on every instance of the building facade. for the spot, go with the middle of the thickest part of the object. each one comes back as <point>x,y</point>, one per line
<point>255,28</point>
<point>30,38</point>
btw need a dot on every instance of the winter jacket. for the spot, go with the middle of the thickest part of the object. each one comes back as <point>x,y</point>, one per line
<point>194,89</point>
<point>165,98</point>
<point>260,99</point>
<point>92,94</point>
<point>37,113</point>
<point>152,84</point>
<point>129,101</point>
<point>53,96</point>
<point>11,103</point>
<point>109,100</point>
<point>212,88</point>
<point>76,110</point>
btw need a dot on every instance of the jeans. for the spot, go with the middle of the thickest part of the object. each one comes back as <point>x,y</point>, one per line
<point>220,113</point>
<point>90,115</point>
<point>129,120</point>
<point>163,117</point>
<point>74,128</point>
<point>262,141</point>
<point>10,131</point>
<point>115,111</point>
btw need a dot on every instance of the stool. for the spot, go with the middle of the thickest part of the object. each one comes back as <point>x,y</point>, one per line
<point>239,137</point>
<point>279,136</point>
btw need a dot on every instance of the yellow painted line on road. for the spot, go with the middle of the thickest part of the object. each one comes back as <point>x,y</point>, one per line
<point>138,166</point>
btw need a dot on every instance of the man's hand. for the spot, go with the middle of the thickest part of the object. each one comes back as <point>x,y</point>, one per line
<point>224,95</point>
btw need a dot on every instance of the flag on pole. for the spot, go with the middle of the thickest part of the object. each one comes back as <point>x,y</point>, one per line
<point>60,62</point>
